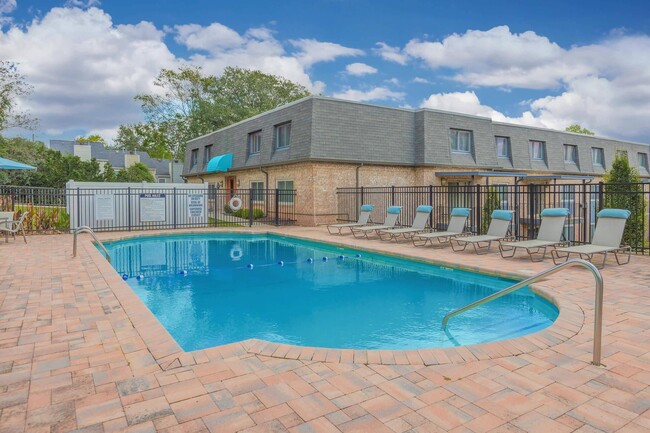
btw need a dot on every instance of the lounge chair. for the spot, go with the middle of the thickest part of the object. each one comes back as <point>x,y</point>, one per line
<point>497,231</point>
<point>364,219</point>
<point>392,215</point>
<point>607,238</point>
<point>13,227</point>
<point>456,227</point>
<point>422,214</point>
<point>550,234</point>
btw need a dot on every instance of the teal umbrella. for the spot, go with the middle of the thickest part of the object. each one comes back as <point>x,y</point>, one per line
<point>8,164</point>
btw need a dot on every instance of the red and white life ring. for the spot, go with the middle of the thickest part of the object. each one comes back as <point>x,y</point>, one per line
<point>235,203</point>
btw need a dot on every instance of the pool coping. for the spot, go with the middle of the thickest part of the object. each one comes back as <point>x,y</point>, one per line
<point>169,355</point>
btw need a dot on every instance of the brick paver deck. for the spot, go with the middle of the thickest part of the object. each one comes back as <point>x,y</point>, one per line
<point>80,352</point>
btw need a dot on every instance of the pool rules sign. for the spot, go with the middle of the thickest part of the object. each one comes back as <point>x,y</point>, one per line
<point>152,207</point>
<point>195,206</point>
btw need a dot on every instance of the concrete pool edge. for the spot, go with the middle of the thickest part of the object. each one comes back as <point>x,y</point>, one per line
<point>168,354</point>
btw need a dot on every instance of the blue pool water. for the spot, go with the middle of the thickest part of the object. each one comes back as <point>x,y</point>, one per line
<point>367,302</point>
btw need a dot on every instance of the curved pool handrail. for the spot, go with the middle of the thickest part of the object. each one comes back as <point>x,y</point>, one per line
<point>598,313</point>
<point>86,229</point>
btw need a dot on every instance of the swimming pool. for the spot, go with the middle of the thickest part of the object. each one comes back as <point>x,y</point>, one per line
<point>214,289</point>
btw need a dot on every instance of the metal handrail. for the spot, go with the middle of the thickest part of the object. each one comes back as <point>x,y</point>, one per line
<point>598,313</point>
<point>86,229</point>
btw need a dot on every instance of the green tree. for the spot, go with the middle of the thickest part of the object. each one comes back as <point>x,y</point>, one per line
<point>576,128</point>
<point>12,87</point>
<point>191,104</point>
<point>491,202</point>
<point>623,190</point>
<point>94,138</point>
<point>138,172</point>
<point>108,172</point>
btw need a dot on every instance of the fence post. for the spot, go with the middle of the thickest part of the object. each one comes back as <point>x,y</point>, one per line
<point>479,208</point>
<point>600,196</point>
<point>392,195</point>
<point>78,207</point>
<point>277,200</point>
<point>174,214</point>
<point>431,204</point>
<point>531,211</point>
<point>13,200</point>
<point>128,208</point>
<point>250,207</point>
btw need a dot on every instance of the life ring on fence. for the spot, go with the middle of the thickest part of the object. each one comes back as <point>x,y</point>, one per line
<point>236,253</point>
<point>235,203</point>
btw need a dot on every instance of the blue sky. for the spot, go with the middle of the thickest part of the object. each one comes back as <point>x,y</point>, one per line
<point>541,63</point>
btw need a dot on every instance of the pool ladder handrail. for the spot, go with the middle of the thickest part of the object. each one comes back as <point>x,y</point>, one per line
<point>598,302</point>
<point>85,229</point>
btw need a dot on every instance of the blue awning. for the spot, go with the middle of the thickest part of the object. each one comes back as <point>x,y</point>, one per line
<point>8,164</point>
<point>220,163</point>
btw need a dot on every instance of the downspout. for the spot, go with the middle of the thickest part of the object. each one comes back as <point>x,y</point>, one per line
<point>357,194</point>
<point>357,175</point>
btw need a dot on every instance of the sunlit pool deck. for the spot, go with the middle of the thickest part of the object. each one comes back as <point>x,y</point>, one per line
<point>79,351</point>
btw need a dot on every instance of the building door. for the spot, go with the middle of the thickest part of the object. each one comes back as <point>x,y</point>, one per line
<point>231,182</point>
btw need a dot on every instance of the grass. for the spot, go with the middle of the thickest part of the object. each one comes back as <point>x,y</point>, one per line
<point>214,222</point>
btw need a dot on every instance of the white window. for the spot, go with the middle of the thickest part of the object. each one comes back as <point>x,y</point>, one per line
<point>503,147</point>
<point>537,150</point>
<point>461,141</point>
<point>254,142</point>
<point>643,160</point>
<point>194,158</point>
<point>570,154</point>
<point>257,190</point>
<point>283,135</point>
<point>286,192</point>
<point>598,156</point>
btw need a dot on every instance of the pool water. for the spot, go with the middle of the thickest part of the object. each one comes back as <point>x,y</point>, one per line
<point>367,302</point>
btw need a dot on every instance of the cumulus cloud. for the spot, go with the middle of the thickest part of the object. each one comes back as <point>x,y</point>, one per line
<point>359,69</point>
<point>392,54</point>
<point>312,51</point>
<point>374,94</point>
<point>420,80</point>
<point>82,4</point>
<point>6,7</point>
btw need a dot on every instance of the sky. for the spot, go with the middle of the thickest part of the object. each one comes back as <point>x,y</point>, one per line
<point>539,63</point>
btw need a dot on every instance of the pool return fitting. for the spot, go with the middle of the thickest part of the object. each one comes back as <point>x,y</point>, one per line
<point>598,302</point>
<point>86,229</point>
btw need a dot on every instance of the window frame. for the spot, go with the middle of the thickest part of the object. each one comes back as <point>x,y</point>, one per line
<point>643,157</point>
<point>507,146</point>
<point>276,135</point>
<point>207,154</point>
<point>454,132</point>
<point>281,197</point>
<point>256,195</point>
<point>598,151</point>
<point>542,147</point>
<point>251,136</point>
<point>574,149</point>
<point>194,158</point>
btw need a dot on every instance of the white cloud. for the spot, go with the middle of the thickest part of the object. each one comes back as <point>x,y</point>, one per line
<point>392,54</point>
<point>214,37</point>
<point>313,51</point>
<point>359,69</point>
<point>421,80</point>
<point>82,4</point>
<point>374,94</point>
<point>394,81</point>
<point>6,7</point>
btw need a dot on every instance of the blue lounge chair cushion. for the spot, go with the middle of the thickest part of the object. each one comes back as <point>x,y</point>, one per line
<point>367,208</point>
<point>555,212</point>
<point>460,211</point>
<point>614,213</point>
<point>394,209</point>
<point>501,214</point>
<point>424,208</point>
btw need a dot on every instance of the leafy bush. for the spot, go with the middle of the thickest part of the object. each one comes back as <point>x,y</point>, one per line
<point>243,213</point>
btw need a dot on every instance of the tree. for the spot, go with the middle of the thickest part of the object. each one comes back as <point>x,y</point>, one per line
<point>12,87</point>
<point>108,173</point>
<point>491,202</point>
<point>191,104</point>
<point>623,190</point>
<point>575,128</point>
<point>95,138</point>
<point>138,172</point>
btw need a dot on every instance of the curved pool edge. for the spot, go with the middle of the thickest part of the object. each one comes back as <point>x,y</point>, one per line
<point>168,353</point>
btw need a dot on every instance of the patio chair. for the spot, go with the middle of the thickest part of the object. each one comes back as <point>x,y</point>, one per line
<point>364,219</point>
<point>607,238</point>
<point>497,231</point>
<point>392,215</point>
<point>456,227</point>
<point>550,234</point>
<point>13,227</point>
<point>422,214</point>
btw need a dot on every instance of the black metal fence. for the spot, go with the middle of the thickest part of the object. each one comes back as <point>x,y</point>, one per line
<point>526,200</point>
<point>143,208</point>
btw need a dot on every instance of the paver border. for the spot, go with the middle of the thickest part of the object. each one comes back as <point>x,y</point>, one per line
<point>168,353</point>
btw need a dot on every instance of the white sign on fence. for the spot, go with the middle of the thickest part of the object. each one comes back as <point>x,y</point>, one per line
<point>152,207</point>
<point>195,205</point>
<point>104,207</point>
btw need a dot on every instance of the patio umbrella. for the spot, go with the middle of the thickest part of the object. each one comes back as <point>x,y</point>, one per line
<point>8,164</point>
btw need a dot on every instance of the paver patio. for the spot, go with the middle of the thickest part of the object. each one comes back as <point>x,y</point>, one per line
<point>80,352</point>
